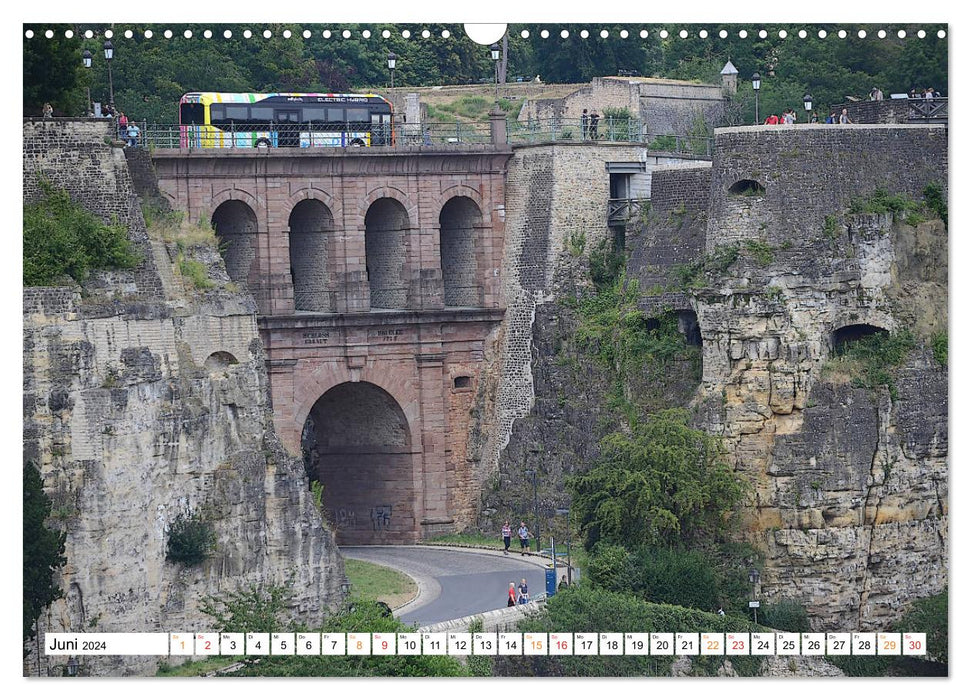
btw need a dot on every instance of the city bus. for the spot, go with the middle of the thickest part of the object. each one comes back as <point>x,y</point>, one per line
<point>284,120</point>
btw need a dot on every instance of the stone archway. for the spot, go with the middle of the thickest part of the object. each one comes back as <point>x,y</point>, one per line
<point>459,219</point>
<point>235,225</point>
<point>311,222</point>
<point>356,442</point>
<point>386,228</point>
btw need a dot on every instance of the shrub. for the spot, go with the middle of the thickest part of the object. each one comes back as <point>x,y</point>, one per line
<point>786,614</point>
<point>191,539</point>
<point>935,200</point>
<point>939,345</point>
<point>195,273</point>
<point>62,239</point>
<point>874,356</point>
<point>677,577</point>
<point>610,568</point>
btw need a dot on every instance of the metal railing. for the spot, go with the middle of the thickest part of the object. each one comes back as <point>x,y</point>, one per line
<point>437,134</point>
<point>621,211</point>
<point>927,109</point>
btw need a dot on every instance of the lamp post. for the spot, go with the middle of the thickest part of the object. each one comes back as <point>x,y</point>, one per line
<point>86,58</point>
<point>532,473</point>
<point>569,565</point>
<point>494,50</point>
<point>753,577</point>
<point>110,54</point>
<point>72,666</point>
<point>807,102</point>
<point>756,84</point>
<point>392,62</point>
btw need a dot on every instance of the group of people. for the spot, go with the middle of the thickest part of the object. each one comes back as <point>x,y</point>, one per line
<point>520,597</point>
<point>789,117</point>
<point>588,125</point>
<point>928,94</point>
<point>523,533</point>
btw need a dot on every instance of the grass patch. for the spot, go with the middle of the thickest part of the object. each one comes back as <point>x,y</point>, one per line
<point>762,253</point>
<point>939,346</point>
<point>194,669</point>
<point>372,582</point>
<point>194,272</point>
<point>869,361</point>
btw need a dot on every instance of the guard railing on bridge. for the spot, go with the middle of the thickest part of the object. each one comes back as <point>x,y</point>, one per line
<point>927,109</point>
<point>457,133</point>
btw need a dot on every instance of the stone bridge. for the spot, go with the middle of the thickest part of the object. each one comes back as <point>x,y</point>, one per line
<point>376,272</point>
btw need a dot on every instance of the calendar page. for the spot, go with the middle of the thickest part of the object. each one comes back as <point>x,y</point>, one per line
<point>562,348</point>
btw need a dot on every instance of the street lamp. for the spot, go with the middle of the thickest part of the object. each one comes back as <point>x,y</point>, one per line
<point>86,58</point>
<point>754,577</point>
<point>756,84</point>
<point>807,102</point>
<point>346,586</point>
<point>72,666</point>
<point>392,61</point>
<point>494,50</point>
<point>110,54</point>
<point>532,473</point>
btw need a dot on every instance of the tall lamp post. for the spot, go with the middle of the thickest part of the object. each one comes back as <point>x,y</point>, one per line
<point>807,102</point>
<point>494,49</point>
<point>86,58</point>
<point>756,84</point>
<point>753,577</point>
<point>110,54</point>
<point>532,473</point>
<point>392,62</point>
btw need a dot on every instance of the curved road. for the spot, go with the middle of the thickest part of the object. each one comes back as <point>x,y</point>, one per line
<point>455,582</point>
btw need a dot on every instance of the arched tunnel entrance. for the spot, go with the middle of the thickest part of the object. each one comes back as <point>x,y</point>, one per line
<point>311,224</point>
<point>235,226</point>
<point>356,442</point>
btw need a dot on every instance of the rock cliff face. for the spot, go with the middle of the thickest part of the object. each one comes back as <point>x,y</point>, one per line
<point>146,400</point>
<point>849,476</point>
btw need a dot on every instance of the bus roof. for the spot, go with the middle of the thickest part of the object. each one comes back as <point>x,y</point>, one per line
<point>280,97</point>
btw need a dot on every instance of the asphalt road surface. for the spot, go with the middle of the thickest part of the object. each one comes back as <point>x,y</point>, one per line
<point>455,582</point>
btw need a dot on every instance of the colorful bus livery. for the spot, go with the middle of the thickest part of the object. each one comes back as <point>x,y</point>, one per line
<point>284,120</point>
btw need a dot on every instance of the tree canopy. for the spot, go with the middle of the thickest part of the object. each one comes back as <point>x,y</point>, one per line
<point>150,74</point>
<point>43,551</point>
<point>664,483</point>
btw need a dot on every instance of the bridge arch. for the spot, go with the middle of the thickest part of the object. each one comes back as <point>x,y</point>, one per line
<point>311,237</point>
<point>357,442</point>
<point>387,227</point>
<point>459,222</point>
<point>236,227</point>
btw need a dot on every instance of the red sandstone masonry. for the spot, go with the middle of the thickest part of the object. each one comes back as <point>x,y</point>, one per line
<point>432,487</point>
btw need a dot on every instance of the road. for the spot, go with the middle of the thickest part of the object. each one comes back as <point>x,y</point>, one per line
<point>454,582</point>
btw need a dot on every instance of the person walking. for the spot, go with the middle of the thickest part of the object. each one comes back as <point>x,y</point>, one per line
<point>584,124</point>
<point>511,598</point>
<point>133,134</point>
<point>506,537</point>
<point>594,118</point>
<point>523,593</point>
<point>523,538</point>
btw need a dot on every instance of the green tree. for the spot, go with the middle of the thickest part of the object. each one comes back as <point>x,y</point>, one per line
<point>43,551</point>
<point>53,72</point>
<point>663,484</point>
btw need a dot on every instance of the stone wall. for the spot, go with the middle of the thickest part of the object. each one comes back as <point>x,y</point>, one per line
<point>849,495</point>
<point>140,407</point>
<point>72,154</point>
<point>876,111</point>
<point>663,106</point>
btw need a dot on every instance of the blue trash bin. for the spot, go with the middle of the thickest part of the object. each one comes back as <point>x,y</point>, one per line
<point>550,581</point>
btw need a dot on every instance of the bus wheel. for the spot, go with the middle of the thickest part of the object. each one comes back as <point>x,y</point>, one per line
<point>262,143</point>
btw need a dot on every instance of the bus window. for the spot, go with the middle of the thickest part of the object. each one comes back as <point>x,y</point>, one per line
<point>192,113</point>
<point>335,114</point>
<point>237,113</point>
<point>261,115</point>
<point>315,114</point>
<point>358,116</point>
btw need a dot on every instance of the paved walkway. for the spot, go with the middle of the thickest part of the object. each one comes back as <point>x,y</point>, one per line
<point>455,581</point>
